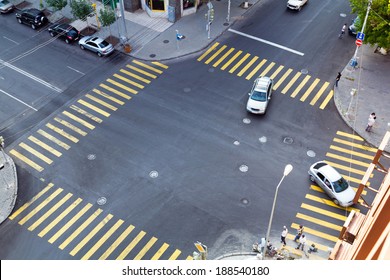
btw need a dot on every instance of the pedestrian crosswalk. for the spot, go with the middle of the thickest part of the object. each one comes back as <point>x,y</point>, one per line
<point>86,232</point>
<point>58,134</point>
<point>287,81</point>
<point>321,218</point>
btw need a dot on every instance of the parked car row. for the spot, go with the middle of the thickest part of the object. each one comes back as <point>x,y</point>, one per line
<point>36,18</point>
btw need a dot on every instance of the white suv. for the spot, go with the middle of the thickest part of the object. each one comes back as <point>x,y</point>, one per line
<point>296,4</point>
<point>260,95</point>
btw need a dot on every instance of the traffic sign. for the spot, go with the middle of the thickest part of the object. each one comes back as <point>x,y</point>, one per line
<point>360,36</point>
<point>359,42</point>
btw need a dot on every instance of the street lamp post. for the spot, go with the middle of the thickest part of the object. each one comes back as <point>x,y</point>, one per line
<point>287,171</point>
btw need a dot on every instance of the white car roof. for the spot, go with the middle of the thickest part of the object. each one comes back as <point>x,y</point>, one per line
<point>262,83</point>
<point>330,172</point>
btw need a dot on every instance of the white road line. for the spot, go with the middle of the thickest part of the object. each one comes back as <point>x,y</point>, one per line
<point>11,40</point>
<point>266,42</point>
<point>76,70</point>
<point>30,76</point>
<point>17,99</point>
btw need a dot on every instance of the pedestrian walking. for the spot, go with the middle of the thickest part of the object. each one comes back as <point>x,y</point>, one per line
<point>302,242</point>
<point>283,235</point>
<point>338,79</point>
<point>343,30</point>
<point>299,233</point>
<point>371,121</point>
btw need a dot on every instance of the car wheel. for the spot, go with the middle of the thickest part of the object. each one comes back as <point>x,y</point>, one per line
<point>336,201</point>
<point>52,34</point>
<point>33,26</point>
<point>67,41</point>
<point>19,20</point>
<point>312,178</point>
<point>81,47</point>
<point>99,54</point>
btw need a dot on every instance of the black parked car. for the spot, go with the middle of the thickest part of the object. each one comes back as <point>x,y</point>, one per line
<point>64,31</point>
<point>32,17</point>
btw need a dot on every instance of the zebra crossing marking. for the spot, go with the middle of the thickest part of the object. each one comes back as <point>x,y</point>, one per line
<point>215,54</point>
<point>230,61</point>
<point>77,119</point>
<point>175,255</point>
<point>111,81</point>
<point>317,233</point>
<point>26,160</point>
<point>160,252</point>
<point>348,160</point>
<point>94,108</point>
<point>160,64</point>
<point>348,169</point>
<point>53,139</point>
<point>276,72</point>
<point>145,249</point>
<point>85,113</point>
<point>147,66</point>
<point>319,222</point>
<point>44,146</point>
<point>310,89</point>
<point>246,67</point>
<point>128,73</point>
<point>348,151</point>
<point>150,75</point>
<point>323,212</point>
<point>35,153</point>
<point>208,51</point>
<point>131,245</point>
<point>281,80</point>
<point>329,203</point>
<point>117,242</point>
<point>266,70</point>
<point>251,74</point>
<point>101,102</point>
<point>70,126</point>
<point>238,64</point>
<point>319,94</point>
<point>349,135</point>
<point>109,97</point>
<point>300,86</point>
<point>290,83</point>
<point>359,146</point>
<point>327,99</point>
<point>223,57</point>
<point>128,81</point>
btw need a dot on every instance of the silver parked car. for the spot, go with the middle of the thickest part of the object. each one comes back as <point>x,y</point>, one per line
<point>96,44</point>
<point>332,183</point>
<point>6,6</point>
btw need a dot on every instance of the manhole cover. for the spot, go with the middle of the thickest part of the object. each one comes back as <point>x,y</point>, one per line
<point>152,55</point>
<point>166,41</point>
<point>288,140</point>
<point>304,71</point>
<point>187,89</point>
<point>244,201</point>
<point>343,15</point>
<point>91,156</point>
<point>263,139</point>
<point>311,153</point>
<point>211,70</point>
<point>243,168</point>
<point>226,24</point>
<point>153,174</point>
<point>246,121</point>
<point>101,200</point>
<point>236,143</point>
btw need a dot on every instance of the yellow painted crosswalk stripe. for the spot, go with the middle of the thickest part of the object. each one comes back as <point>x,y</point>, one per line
<point>348,143</point>
<point>329,203</point>
<point>85,113</point>
<point>317,233</point>
<point>253,72</point>
<point>63,133</point>
<point>238,64</point>
<point>147,66</point>
<point>319,222</point>
<point>133,91</point>
<point>150,75</point>
<point>121,94</point>
<point>281,80</point>
<point>292,81</point>
<point>49,212</point>
<point>319,246</point>
<point>91,234</point>
<point>249,64</point>
<point>59,217</point>
<point>266,70</point>
<point>94,108</point>
<point>160,251</point>
<point>109,97</point>
<point>319,93</point>
<point>300,86</point>
<point>26,160</point>
<point>223,57</point>
<point>60,232</point>
<point>101,102</point>
<point>208,51</point>
<point>160,64</point>
<point>323,212</point>
<point>230,61</point>
<point>53,139</point>
<point>35,153</point>
<point>277,71</point>
<point>309,90</point>
<point>116,243</point>
<point>128,81</point>
<point>318,189</point>
<point>27,204</point>
<point>70,126</point>
<point>327,99</point>
<point>215,54</point>
<point>44,146</point>
<point>349,160</point>
<point>131,245</point>
<point>346,168</point>
<point>347,151</point>
<point>175,255</point>
<point>146,81</point>
<point>145,249</point>
<point>349,135</point>
<point>102,240</point>
<point>189,258</point>
<point>80,229</point>
<point>40,206</point>
<point>355,180</point>
<point>77,119</point>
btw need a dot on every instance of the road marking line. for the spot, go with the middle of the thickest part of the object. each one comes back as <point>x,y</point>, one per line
<point>147,66</point>
<point>160,251</point>
<point>135,76</point>
<point>76,70</point>
<point>77,119</point>
<point>26,160</point>
<point>319,222</point>
<point>292,81</point>
<point>347,159</point>
<point>71,126</point>
<point>309,90</point>
<point>223,57</point>
<point>243,70</point>
<point>116,100</point>
<point>349,135</point>
<point>145,249</point>
<point>63,133</point>
<point>231,60</point>
<point>238,64</point>
<point>347,151</point>
<point>215,54</point>
<point>327,99</point>
<point>317,233</point>
<point>323,212</point>
<point>266,70</point>
<point>329,203</point>
<point>175,255</point>
<point>266,42</point>
<point>92,107</point>
<point>160,64</point>
<point>44,146</point>
<point>281,80</point>
<point>319,93</point>
<point>35,153</point>
<point>16,43</point>
<point>141,71</point>
<point>129,81</point>
<point>121,86</point>
<point>300,86</point>
<point>117,242</point>
<point>85,113</point>
<point>17,99</point>
<point>131,245</point>
<point>101,102</point>
<point>348,169</point>
<point>365,148</point>
<point>53,139</point>
<point>208,51</point>
<point>256,69</point>
<point>277,71</point>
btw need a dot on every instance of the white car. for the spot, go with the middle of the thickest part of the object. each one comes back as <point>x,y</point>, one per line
<point>335,186</point>
<point>260,95</point>
<point>296,4</point>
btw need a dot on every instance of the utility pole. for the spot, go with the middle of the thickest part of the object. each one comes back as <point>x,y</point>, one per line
<point>210,18</point>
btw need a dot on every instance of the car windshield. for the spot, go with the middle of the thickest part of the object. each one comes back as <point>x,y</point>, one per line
<point>259,96</point>
<point>72,32</point>
<point>4,2</point>
<point>103,44</point>
<point>340,185</point>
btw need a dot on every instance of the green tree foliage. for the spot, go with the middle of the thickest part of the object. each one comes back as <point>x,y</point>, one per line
<point>377,29</point>
<point>81,9</point>
<point>107,16</point>
<point>58,5</point>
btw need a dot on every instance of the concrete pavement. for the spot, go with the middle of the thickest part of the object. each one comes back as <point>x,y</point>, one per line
<point>155,39</point>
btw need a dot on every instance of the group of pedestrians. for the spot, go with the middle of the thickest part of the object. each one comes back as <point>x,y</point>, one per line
<point>299,237</point>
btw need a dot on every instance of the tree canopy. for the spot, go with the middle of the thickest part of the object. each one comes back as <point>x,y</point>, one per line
<point>57,4</point>
<point>377,29</point>
<point>81,9</point>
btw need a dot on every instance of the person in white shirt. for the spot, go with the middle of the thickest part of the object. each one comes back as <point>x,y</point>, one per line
<point>371,121</point>
<point>283,236</point>
<point>302,242</point>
